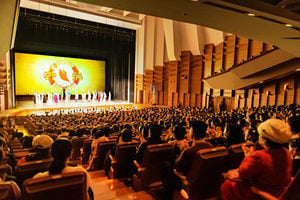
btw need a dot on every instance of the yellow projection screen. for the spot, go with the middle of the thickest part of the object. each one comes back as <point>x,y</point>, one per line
<point>42,73</point>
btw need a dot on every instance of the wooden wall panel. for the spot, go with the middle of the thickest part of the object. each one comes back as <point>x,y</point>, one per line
<point>166,84</point>
<point>208,55</point>
<point>173,83</point>
<point>139,88</point>
<point>184,77</point>
<point>147,83</point>
<point>229,51</point>
<point>181,81</point>
<point>268,94</point>
<point>218,58</point>
<point>297,89</point>
<point>255,48</point>
<point>241,50</point>
<point>267,47</point>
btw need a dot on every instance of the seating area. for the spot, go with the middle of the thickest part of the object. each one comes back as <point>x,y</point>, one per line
<point>99,144</point>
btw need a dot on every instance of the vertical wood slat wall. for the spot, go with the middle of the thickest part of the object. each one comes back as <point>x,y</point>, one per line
<point>5,82</point>
<point>181,81</point>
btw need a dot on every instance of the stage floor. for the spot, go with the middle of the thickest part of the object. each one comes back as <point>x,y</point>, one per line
<point>24,108</point>
<point>63,104</point>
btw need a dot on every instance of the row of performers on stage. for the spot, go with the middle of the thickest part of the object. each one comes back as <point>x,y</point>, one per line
<point>95,96</point>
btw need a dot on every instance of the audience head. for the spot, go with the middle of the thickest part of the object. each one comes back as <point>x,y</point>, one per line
<point>294,123</point>
<point>274,133</point>
<point>198,129</point>
<point>155,132</point>
<point>27,142</point>
<point>233,134</point>
<point>99,133</point>
<point>179,132</point>
<point>42,142</point>
<point>126,135</point>
<point>60,151</point>
<point>145,131</point>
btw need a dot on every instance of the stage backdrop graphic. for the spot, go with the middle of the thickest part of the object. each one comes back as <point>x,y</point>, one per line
<point>42,73</point>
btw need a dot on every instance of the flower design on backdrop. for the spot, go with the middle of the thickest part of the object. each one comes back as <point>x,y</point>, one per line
<point>63,74</point>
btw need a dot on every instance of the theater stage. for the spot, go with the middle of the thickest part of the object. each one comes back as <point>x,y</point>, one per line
<point>24,108</point>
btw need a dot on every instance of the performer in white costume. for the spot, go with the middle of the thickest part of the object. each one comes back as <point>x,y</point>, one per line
<point>89,96</point>
<point>35,97</point>
<point>49,98</point>
<point>83,96</point>
<point>104,97</point>
<point>109,96</point>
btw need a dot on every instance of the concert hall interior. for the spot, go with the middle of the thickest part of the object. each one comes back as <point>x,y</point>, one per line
<point>149,99</point>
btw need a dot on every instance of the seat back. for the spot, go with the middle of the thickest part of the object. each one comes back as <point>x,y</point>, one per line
<point>205,175</point>
<point>124,157</point>
<point>9,191</point>
<point>77,143</point>
<point>58,187</point>
<point>154,156</point>
<point>102,149</point>
<point>292,191</point>
<point>236,155</point>
<point>29,169</point>
<point>86,150</point>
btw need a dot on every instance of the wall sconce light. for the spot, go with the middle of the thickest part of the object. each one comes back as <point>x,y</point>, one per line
<point>286,86</point>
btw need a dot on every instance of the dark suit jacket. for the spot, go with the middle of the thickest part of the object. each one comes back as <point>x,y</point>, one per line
<point>186,158</point>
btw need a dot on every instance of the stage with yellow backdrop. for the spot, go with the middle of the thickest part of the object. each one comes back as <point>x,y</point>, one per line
<point>50,74</point>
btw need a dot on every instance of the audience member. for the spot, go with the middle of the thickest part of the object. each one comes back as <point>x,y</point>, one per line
<point>268,169</point>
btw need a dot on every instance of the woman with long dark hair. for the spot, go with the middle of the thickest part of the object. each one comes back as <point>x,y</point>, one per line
<point>61,151</point>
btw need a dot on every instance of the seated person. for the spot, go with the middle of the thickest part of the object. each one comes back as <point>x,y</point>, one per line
<point>41,146</point>
<point>126,136</point>
<point>15,187</point>
<point>233,134</point>
<point>179,144</point>
<point>186,158</point>
<point>99,137</point>
<point>269,169</point>
<point>5,169</point>
<point>61,151</point>
<point>27,142</point>
<point>155,132</point>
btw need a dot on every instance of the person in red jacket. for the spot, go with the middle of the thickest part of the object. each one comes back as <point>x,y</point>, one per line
<point>269,169</point>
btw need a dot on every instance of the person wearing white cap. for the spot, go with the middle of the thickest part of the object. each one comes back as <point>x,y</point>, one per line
<point>268,169</point>
<point>41,145</point>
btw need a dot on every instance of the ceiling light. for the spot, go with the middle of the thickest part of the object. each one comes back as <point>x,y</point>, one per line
<point>288,25</point>
<point>298,70</point>
<point>251,14</point>
<point>194,0</point>
<point>261,81</point>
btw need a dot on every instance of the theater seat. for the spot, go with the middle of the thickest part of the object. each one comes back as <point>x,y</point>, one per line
<point>291,193</point>
<point>236,155</point>
<point>56,187</point>
<point>205,176</point>
<point>86,150</point>
<point>102,149</point>
<point>29,169</point>
<point>148,173</point>
<point>9,191</point>
<point>121,163</point>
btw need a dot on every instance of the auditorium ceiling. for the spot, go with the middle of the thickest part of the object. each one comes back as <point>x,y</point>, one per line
<point>274,22</point>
